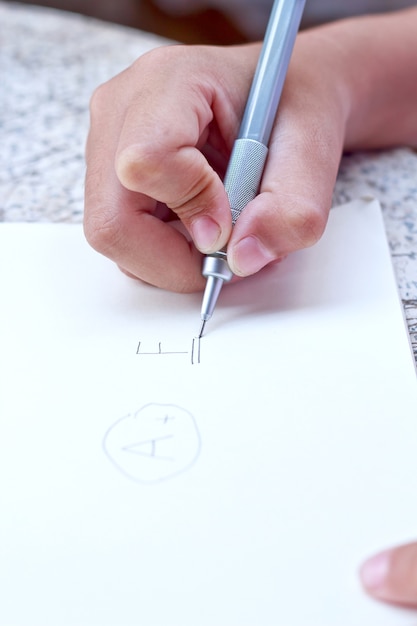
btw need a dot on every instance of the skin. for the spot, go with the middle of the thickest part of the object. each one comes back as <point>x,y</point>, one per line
<point>391,575</point>
<point>160,138</point>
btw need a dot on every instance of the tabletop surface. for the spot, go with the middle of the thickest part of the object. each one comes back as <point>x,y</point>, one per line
<point>51,61</point>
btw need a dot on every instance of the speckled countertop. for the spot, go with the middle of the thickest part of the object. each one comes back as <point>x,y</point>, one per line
<point>50,63</point>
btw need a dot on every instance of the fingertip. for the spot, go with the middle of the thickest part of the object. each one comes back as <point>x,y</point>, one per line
<point>373,572</point>
<point>207,234</point>
<point>391,575</point>
<point>248,256</point>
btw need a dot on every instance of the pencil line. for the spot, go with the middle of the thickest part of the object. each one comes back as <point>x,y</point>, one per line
<point>195,351</point>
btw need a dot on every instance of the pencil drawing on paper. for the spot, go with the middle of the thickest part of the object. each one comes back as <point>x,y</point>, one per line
<point>195,351</point>
<point>157,442</point>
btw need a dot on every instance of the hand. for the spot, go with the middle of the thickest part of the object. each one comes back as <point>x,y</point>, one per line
<point>161,135</point>
<point>162,131</point>
<point>391,576</point>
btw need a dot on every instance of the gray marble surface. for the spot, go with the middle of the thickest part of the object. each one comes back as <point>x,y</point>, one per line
<point>50,63</point>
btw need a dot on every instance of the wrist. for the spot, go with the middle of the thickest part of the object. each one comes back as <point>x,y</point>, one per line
<point>376,61</point>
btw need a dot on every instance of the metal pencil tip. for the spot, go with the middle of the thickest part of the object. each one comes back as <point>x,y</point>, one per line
<point>202,329</point>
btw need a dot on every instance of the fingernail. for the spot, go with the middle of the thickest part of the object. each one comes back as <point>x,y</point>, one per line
<point>206,233</point>
<point>374,571</point>
<point>249,256</point>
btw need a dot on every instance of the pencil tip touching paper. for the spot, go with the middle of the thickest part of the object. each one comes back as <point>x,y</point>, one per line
<point>167,479</point>
<point>203,324</point>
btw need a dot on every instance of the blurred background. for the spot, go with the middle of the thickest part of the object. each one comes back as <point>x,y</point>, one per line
<point>211,21</point>
<point>196,24</point>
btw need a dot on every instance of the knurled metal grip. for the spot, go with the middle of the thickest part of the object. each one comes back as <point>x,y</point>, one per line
<point>244,174</point>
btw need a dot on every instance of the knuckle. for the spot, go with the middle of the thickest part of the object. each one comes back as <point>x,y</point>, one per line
<point>136,168</point>
<point>306,224</point>
<point>143,168</point>
<point>166,59</point>
<point>98,100</point>
<point>184,185</point>
<point>102,230</point>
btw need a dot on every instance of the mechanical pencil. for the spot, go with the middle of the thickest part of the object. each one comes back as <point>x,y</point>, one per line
<point>247,160</point>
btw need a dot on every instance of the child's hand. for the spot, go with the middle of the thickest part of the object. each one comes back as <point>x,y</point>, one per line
<point>162,132</point>
<point>161,135</point>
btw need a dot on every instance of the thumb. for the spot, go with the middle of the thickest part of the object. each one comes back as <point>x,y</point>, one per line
<point>391,575</point>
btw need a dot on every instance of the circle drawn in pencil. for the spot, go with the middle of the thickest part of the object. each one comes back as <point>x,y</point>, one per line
<point>155,443</point>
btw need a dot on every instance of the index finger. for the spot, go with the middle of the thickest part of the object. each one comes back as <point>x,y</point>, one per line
<point>121,224</point>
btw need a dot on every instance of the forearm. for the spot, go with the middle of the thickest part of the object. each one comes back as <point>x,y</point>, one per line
<point>377,57</point>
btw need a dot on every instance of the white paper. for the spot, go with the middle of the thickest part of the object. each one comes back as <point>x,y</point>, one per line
<point>145,483</point>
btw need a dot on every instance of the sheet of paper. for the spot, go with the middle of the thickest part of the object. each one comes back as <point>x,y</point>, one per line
<point>149,480</point>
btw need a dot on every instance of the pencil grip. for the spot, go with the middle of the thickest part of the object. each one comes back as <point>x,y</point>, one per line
<point>244,174</point>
